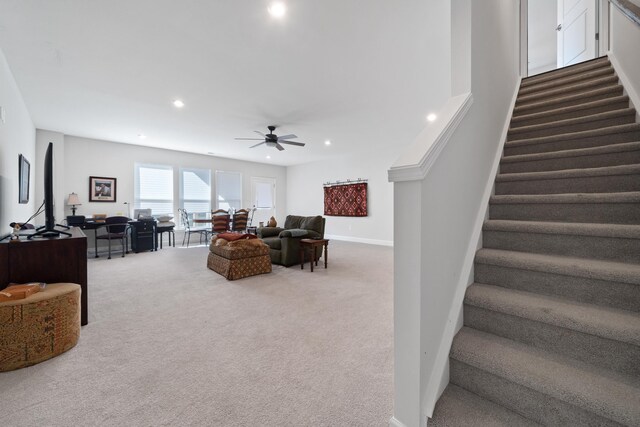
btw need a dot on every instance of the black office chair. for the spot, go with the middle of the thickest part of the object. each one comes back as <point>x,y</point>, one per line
<point>115,228</point>
<point>189,230</point>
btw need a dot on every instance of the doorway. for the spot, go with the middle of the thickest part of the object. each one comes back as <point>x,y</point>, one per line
<point>559,33</point>
<point>263,197</point>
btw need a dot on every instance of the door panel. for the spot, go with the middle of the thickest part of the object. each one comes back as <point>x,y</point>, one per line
<point>576,31</point>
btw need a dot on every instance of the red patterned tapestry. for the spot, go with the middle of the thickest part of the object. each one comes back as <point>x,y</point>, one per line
<point>346,200</point>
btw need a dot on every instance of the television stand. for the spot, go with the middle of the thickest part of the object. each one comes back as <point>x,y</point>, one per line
<point>49,233</point>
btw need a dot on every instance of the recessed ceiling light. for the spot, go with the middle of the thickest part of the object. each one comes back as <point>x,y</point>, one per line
<point>277,9</point>
<point>178,103</point>
<point>142,136</point>
<point>431,117</point>
<point>268,157</point>
<point>327,142</point>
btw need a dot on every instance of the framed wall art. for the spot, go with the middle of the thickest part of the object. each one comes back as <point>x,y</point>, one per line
<point>24,170</point>
<point>102,189</point>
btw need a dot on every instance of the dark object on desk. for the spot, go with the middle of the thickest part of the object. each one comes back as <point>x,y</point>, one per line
<point>114,228</point>
<point>75,220</point>
<point>143,235</point>
<point>59,260</point>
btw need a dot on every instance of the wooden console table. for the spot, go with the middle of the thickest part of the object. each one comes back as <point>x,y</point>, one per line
<point>313,244</point>
<point>49,260</point>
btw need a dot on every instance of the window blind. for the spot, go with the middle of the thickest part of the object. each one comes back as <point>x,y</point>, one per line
<point>154,188</point>
<point>229,190</point>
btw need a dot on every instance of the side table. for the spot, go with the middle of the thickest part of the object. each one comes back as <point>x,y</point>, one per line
<point>313,244</point>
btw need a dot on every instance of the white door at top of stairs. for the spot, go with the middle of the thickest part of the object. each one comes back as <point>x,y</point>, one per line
<point>576,31</point>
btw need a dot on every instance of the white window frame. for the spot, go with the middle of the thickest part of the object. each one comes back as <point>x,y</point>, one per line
<point>181,200</point>
<point>137,204</point>
<point>240,200</point>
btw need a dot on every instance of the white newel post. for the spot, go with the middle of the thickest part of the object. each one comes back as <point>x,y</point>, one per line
<point>406,303</point>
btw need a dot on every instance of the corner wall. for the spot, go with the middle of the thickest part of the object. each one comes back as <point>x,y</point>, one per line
<point>17,136</point>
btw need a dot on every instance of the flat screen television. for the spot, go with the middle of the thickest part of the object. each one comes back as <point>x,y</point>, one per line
<point>49,228</point>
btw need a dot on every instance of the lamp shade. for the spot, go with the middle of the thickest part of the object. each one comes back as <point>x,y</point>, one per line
<point>73,200</point>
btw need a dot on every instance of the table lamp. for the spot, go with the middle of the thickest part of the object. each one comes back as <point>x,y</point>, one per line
<point>73,201</point>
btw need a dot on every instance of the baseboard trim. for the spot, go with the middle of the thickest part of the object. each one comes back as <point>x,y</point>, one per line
<point>360,240</point>
<point>393,422</point>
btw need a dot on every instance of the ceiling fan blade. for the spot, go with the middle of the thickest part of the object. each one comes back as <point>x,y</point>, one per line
<point>249,139</point>
<point>287,136</point>
<point>259,133</point>
<point>279,147</point>
<point>299,144</point>
<point>260,143</point>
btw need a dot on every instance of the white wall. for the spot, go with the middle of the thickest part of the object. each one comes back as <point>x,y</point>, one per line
<point>434,263</point>
<point>17,136</point>
<point>625,38</point>
<point>541,38</point>
<point>305,195</point>
<point>82,157</point>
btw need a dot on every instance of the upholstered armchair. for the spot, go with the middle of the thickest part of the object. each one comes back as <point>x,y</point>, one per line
<point>284,242</point>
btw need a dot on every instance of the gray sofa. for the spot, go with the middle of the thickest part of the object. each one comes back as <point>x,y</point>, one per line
<point>284,242</point>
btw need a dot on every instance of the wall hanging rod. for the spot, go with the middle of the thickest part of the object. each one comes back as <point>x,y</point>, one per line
<point>345,182</point>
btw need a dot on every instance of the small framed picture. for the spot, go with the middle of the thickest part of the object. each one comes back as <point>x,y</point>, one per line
<point>102,189</point>
<point>24,170</point>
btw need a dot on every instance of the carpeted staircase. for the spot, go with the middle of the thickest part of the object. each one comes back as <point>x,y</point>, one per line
<point>551,330</point>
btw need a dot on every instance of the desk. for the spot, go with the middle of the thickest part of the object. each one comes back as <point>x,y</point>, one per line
<point>49,260</point>
<point>313,244</point>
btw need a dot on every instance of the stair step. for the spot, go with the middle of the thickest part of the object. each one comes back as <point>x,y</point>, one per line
<point>580,110</point>
<point>593,121</point>
<point>566,81</point>
<point>566,71</point>
<point>570,141</point>
<point>459,407</point>
<point>605,283</point>
<point>613,242</point>
<point>611,336</point>
<point>554,93</point>
<point>613,90</point>
<point>624,178</point>
<point>608,155</point>
<point>546,387</point>
<point>608,208</point>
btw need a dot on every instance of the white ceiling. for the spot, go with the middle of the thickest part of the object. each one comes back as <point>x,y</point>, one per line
<point>352,71</point>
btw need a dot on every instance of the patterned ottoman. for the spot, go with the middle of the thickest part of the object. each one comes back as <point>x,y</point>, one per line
<point>39,327</point>
<point>238,259</point>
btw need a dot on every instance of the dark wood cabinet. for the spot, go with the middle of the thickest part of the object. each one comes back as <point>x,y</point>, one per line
<point>143,236</point>
<point>49,260</point>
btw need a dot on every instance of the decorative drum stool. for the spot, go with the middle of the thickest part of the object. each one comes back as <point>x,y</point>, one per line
<point>39,327</point>
<point>239,259</point>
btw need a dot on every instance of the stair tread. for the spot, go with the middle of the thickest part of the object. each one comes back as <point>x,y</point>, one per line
<point>573,108</point>
<point>577,198</point>
<point>567,79</point>
<point>600,62</point>
<point>576,152</point>
<point>630,127</point>
<point>562,265</point>
<point>597,390</point>
<point>621,231</point>
<point>459,407</point>
<point>568,89</point>
<point>570,173</point>
<point>613,88</point>
<point>605,322</point>
<point>573,121</point>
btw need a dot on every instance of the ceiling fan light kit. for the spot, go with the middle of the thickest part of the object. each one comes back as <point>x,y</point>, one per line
<point>273,140</point>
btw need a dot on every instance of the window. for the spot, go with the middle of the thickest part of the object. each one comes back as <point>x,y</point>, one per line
<point>154,188</point>
<point>195,190</point>
<point>263,195</point>
<point>228,190</point>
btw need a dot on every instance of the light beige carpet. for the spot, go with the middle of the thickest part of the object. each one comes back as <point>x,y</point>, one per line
<point>172,343</point>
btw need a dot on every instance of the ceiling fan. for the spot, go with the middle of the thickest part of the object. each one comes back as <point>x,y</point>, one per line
<point>273,140</point>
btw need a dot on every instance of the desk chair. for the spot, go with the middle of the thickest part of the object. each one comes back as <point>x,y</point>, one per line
<point>115,228</point>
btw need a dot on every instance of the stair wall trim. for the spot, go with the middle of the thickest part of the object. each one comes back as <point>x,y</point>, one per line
<point>415,162</point>
<point>439,378</point>
<point>394,422</point>
<point>625,81</point>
